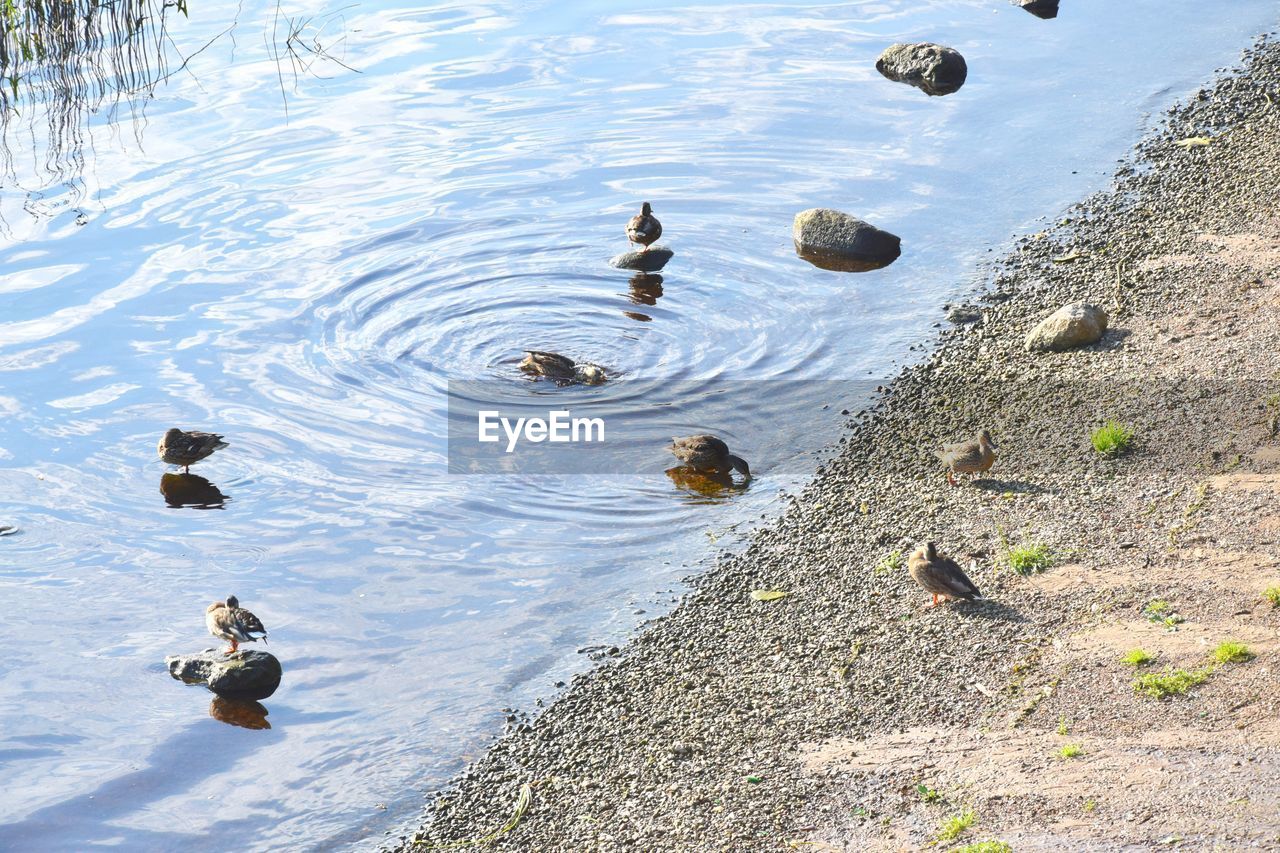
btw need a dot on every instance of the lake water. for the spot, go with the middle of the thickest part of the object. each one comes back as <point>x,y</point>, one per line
<point>308,285</point>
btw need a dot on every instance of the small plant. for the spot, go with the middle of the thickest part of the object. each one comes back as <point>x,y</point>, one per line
<point>1090,805</point>
<point>1171,682</point>
<point>955,825</point>
<point>1162,612</point>
<point>1027,559</point>
<point>984,847</point>
<point>1070,750</point>
<point>1112,438</point>
<point>1138,657</point>
<point>927,794</point>
<point>1273,595</point>
<point>1062,725</point>
<point>1232,652</point>
<point>891,563</point>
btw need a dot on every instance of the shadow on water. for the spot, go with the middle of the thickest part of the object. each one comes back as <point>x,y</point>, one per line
<point>191,490</point>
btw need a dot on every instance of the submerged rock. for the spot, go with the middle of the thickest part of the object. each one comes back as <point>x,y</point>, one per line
<point>931,68</point>
<point>837,241</point>
<point>1040,8</point>
<point>1076,325</point>
<point>243,675</point>
<point>648,261</point>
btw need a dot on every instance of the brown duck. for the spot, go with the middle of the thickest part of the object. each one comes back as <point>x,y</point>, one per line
<point>939,575</point>
<point>708,453</point>
<point>177,447</point>
<point>645,228</point>
<point>561,368</point>
<point>975,456</point>
<point>227,620</point>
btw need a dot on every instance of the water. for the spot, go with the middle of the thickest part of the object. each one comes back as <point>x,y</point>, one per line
<point>309,288</point>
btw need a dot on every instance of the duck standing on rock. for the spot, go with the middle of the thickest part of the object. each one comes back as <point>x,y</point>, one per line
<point>645,228</point>
<point>939,575</point>
<point>975,456</point>
<point>227,620</point>
<point>708,453</point>
<point>178,447</point>
<point>561,368</point>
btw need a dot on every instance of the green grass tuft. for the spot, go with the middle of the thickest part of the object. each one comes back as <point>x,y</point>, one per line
<point>927,794</point>
<point>1171,682</point>
<point>891,563</point>
<point>985,847</point>
<point>1273,595</point>
<point>1071,750</point>
<point>1137,658</point>
<point>1027,559</point>
<point>1112,438</point>
<point>1162,612</point>
<point>953,826</point>
<point>1232,652</point>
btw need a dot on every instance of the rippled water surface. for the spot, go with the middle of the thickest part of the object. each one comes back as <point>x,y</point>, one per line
<point>308,286</point>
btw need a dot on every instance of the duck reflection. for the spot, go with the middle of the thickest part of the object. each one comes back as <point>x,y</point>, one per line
<point>646,288</point>
<point>191,490</point>
<point>245,713</point>
<point>707,484</point>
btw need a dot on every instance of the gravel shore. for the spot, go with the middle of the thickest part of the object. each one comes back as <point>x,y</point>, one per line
<point>845,715</point>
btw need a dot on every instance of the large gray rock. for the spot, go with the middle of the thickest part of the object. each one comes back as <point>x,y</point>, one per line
<point>652,260</point>
<point>1076,325</point>
<point>931,68</point>
<point>1041,8</point>
<point>837,241</point>
<point>243,675</point>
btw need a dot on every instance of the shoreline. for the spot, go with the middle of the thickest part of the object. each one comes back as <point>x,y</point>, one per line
<point>734,724</point>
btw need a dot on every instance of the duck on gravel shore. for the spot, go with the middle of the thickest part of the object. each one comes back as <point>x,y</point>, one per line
<point>178,447</point>
<point>708,453</point>
<point>562,369</point>
<point>975,456</point>
<point>227,620</point>
<point>644,228</point>
<point>939,575</point>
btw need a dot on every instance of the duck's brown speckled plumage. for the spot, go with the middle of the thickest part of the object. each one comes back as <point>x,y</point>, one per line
<point>179,447</point>
<point>644,228</point>
<point>227,620</point>
<point>975,456</point>
<point>939,575</point>
<point>561,368</point>
<point>707,453</point>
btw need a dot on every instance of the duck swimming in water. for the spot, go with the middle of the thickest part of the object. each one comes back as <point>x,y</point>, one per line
<point>177,447</point>
<point>644,228</point>
<point>562,369</point>
<point>939,575</point>
<point>227,620</point>
<point>708,453</point>
<point>975,456</point>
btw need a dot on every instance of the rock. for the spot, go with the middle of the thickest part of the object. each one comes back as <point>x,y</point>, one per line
<point>837,241</point>
<point>243,675</point>
<point>649,261</point>
<point>1076,325</point>
<point>931,68</point>
<point>1041,8</point>
<point>962,314</point>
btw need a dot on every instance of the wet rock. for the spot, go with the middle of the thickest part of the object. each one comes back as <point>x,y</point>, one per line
<point>837,241</point>
<point>1076,325</point>
<point>1041,8</point>
<point>648,261</point>
<point>931,68</point>
<point>962,314</point>
<point>243,675</point>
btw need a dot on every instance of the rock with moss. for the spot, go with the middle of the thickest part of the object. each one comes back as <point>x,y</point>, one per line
<point>243,675</point>
<point>931,68</point>
<point>1076,325</point>
<point>837,241</point>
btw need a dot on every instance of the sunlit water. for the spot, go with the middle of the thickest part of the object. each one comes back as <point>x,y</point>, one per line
<point>309,286</point>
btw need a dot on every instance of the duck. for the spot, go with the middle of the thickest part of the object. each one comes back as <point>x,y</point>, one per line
<point>562,369</point>
<point>939,575</point>
<point>708,453</point>
<point>644,228</point>
<point>227,620</point>
<point>186,448</point>
<point>975,456</point>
